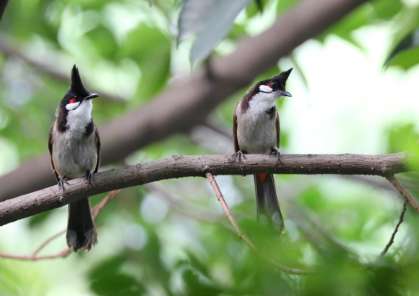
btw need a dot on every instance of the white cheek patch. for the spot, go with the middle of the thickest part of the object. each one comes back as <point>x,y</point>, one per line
<point>265,88</point>
<point>72,106</point>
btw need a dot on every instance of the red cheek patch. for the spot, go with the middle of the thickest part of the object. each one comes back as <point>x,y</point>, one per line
<point>72,100</point>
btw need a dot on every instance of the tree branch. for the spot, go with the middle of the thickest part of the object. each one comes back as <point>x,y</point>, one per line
<point>227,211</point>
<point>66,251</point>
<point>408,197</point>
<point>396,229</point>
<point>187,166</point>
<point>188,102</point>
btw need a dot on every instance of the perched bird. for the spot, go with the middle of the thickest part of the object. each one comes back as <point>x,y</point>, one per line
<point>74,147</point>
<point>256,130</point>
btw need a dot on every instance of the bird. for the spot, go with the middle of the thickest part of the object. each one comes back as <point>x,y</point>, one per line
<point>256,130</point>
<point>74,147</point>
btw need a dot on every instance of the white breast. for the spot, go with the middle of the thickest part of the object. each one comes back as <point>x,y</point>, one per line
<point>255,127</point>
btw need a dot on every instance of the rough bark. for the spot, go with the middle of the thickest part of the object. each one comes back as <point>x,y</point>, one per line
<point>187,166</point>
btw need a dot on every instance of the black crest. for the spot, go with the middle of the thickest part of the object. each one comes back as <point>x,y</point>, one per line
<point>278,82</point>
<point>77,86</point>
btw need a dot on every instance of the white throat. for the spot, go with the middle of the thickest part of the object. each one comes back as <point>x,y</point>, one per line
<point>79,118</point>
<point>262,102</point>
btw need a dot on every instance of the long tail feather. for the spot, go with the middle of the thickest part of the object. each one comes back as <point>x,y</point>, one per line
<point>81,232</point>
<point>267,201</point>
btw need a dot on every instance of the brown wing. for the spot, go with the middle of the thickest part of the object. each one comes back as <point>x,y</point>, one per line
<point>97,142</point>
<point>277,129</point>
<point>236,142</point>
<point>50,144</point>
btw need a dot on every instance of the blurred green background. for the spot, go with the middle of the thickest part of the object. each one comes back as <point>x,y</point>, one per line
<point>355,90</point>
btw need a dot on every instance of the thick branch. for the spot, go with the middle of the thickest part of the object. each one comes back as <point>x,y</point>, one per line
<point>188,102</point>
<point>188,166</point>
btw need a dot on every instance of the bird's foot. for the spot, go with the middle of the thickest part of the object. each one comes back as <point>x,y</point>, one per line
<point>276,152</point>
<point>238,156</point>
<point>61,182</point>
<point>89,177</point>
<point>61,188</point>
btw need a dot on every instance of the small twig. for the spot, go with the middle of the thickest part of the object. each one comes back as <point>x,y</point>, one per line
<point>98,208</point>
<point>240,234</point>
<point>65,252</point>
<point>396,229</point>
<point>46,242</point>
<point>62,254</point>
<point>227,211</point>
<point>408,197</point>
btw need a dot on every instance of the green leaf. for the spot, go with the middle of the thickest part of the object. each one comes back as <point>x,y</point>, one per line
<point>283,5</point>
<point>255,7</point>
<point>385,9</point>
<point>405,39</point>
<point>150,48</point>
<point>209,21</point>
<point>405,59</point>
<point>107,279</point>
<point>405,138</point>
<point>198,284</point>
<point>103,41</point>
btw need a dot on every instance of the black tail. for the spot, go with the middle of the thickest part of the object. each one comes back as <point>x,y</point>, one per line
<point>81,232</point>
<point>267,201</point>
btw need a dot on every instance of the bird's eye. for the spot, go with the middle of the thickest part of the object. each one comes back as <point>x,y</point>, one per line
<point>72,100</point>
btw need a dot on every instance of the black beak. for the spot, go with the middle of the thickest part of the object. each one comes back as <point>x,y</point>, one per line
<point>90,96</point>
<point>285,93</point>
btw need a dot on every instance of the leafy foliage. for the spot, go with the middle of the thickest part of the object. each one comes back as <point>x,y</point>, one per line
<point>176,241</point>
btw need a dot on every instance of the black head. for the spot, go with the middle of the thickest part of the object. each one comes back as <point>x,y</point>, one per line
<point>275,84</point>
<point>77,93</point>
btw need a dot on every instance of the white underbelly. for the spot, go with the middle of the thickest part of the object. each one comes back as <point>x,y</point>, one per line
<point>256,136</point>
<point>74,158</point>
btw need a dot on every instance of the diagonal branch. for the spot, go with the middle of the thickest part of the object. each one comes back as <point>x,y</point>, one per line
<point>240,233</point>
<point>227,211</point>
<point>187,166</point>
<point>408,197</point>
<point>396,229</point>
<point>187,102</point>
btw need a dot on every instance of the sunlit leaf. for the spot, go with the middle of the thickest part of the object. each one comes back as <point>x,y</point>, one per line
<point>405,138</point>
<point>405,40</point>
<point>284,5</point>
<point>406,58</point>
<point>150,48</point>
<point>209,21</point>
